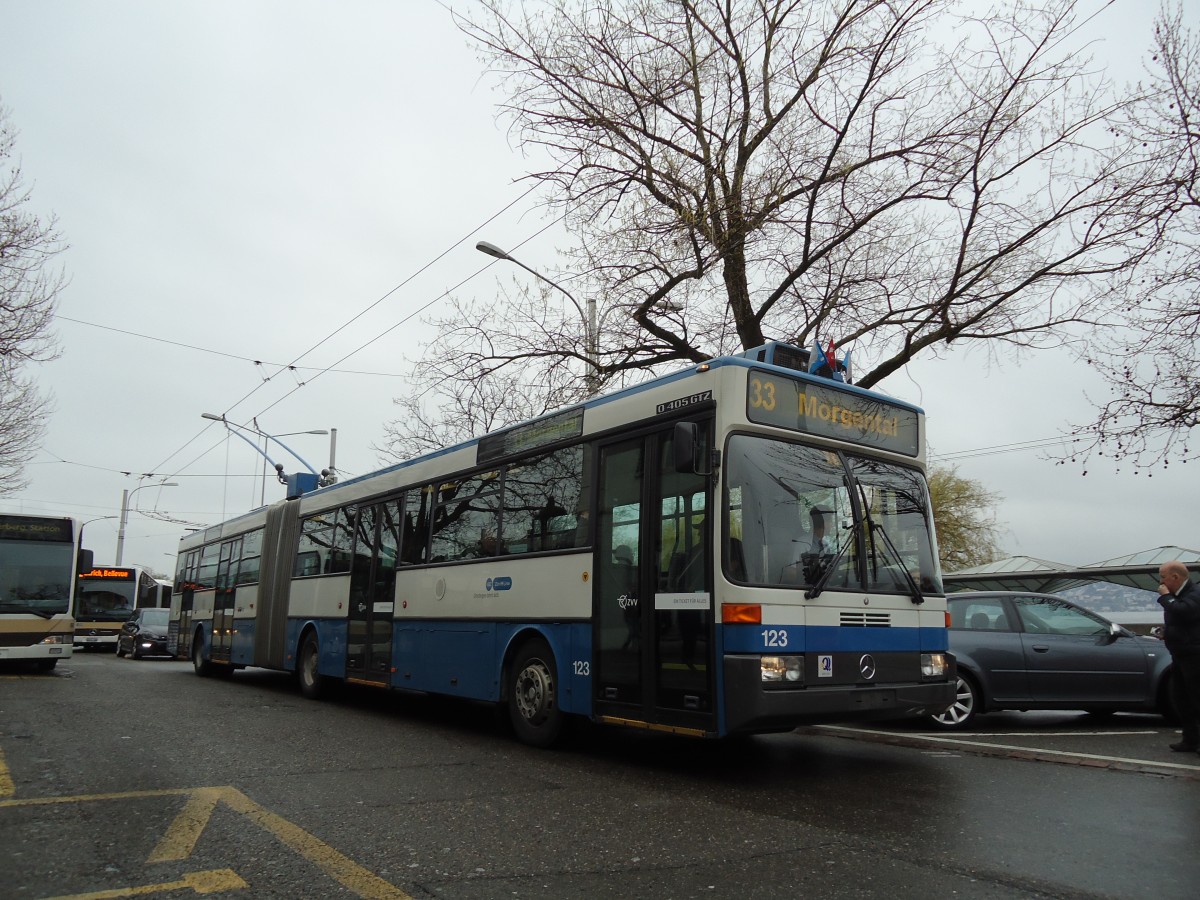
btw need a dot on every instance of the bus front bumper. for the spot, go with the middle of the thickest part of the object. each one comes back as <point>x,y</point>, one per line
<point>752,706</point>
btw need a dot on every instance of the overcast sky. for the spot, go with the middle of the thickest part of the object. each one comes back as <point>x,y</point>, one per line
<point>238,181</point>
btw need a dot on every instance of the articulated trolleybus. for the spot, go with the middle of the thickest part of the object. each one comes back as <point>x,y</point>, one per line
<point>740,547</point>
<point>38,558</point>
<point>107,597</point>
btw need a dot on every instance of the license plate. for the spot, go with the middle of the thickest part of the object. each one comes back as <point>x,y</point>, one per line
<point>90,640</point>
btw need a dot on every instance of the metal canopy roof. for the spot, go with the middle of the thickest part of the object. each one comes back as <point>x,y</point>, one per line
<point>1027,573</point>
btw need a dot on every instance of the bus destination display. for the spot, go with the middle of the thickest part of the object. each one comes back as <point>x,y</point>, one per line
<point>32,528</point>
<point>108,574</point>
<point>828,412</point>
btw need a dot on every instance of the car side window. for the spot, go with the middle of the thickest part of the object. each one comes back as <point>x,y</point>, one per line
<point>979,615</point>
<point>1046,615</point>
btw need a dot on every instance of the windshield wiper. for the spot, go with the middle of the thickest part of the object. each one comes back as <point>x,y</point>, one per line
<point>914,590</point>
<point>45,614</point>
<point>815,591</point>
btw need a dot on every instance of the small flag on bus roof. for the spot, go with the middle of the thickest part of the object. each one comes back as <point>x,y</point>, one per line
<point>826,364</point>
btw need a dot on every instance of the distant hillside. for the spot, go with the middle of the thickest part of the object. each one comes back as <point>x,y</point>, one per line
<point>1105,598</point>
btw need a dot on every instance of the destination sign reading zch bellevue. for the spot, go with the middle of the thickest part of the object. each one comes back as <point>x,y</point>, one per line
<point>826,411</point>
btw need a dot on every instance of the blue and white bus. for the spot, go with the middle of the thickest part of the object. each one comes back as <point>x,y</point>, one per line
<point>38,558</point>
<point>739,547</point>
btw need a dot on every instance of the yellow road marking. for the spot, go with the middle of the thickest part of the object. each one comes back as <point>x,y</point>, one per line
<point>6,783</point>
<point>200,882</point>
<point>88,798</point>
<point>350,874</point>
<point>180,839</point>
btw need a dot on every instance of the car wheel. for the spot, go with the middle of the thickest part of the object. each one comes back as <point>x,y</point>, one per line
<point>533,695</point>
<point>119,648</point>
<point>202,666</point>
<point>965,707</point>
<point>134,653</point>
<point>312,683</point>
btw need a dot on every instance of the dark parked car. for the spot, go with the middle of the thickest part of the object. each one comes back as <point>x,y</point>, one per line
<point>144,634</point>
<point>1039,651</point>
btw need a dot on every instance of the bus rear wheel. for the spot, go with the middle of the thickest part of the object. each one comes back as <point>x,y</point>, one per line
<point>201,665</point>
<point>312,683</point>
<point>533,695</point>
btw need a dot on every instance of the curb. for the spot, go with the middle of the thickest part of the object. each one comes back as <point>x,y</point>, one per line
<point>1005,751</point>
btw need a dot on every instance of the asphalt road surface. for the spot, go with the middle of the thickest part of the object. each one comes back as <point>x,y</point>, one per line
<point>121,779</point>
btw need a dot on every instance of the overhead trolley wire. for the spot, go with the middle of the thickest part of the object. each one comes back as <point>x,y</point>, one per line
<point>292,365</point>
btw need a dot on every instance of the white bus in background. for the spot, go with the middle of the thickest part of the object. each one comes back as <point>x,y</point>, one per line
<point>38,560</point>
<point>108,595</point>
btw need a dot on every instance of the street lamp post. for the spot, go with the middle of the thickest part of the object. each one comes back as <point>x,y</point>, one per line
<point>125,495</point>
<point>83,525</point>
<point>591,339</point>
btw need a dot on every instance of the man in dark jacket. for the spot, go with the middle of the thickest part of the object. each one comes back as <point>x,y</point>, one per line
<point>1180,600</point>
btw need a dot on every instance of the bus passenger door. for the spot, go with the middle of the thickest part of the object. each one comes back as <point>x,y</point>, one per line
<point>372,593</point>
<point>652,600</point>
<point>223,601</point>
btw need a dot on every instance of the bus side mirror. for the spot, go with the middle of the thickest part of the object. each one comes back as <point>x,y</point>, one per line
<point>687,436</point>
<point>84,562</point>
<point>688,450</point>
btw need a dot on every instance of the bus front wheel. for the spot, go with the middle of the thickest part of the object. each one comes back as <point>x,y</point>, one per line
<point>312,682</point>
<point>533,695</point>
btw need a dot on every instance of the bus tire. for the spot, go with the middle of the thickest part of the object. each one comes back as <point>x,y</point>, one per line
<point>202,666</point>
<point>532,693</point>
<point>46,665</point>
<point>313,684</point>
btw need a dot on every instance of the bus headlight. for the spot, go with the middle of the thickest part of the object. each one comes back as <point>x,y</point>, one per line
<point>934,665</point>
<point>785,671</point>
<point>58,639</point>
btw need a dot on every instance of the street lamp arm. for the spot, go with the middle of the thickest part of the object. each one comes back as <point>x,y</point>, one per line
<point>493,250</point>
<point>589,319</point>
<point>125,495</point>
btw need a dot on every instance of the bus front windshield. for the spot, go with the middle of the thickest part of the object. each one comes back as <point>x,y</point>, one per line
<point>35,577</point>
<point>803,516</point>
<point>106,601</point>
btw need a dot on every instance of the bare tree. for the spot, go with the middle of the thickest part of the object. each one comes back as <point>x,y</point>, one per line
<point>1152,365</point>
<point>29,288</point>
<point>738,171</point>
<point>964,516</point>
<point>448,404</point>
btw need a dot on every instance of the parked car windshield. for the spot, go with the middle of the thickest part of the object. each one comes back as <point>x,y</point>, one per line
<point>155,618</point>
